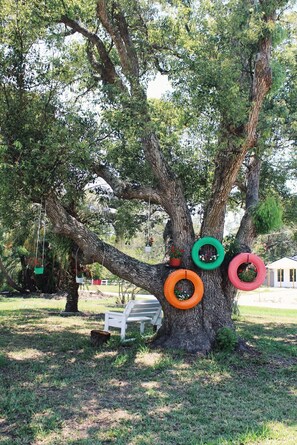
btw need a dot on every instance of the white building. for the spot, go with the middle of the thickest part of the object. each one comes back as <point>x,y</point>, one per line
<point>282,273</point>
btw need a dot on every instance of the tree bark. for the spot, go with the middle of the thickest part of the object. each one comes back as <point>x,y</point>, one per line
<point>71,286</point>
<point>72,296</point>
<point>195,330</point>
<point>230,159</point>
<point>246,232</point>
<point>98,338</point>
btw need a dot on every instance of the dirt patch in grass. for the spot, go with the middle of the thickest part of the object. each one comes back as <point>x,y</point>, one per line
<point>148,359</point>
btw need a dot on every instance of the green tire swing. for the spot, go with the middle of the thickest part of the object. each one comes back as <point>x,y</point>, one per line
<point>208,240</point>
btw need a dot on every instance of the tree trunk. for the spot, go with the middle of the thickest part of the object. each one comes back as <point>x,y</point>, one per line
<point>195,330</point>
<point>192,330</point>
<point>72,297</point>
<point>70,285</point>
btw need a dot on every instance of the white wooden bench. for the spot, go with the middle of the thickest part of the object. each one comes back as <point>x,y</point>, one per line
<point>139,311</point>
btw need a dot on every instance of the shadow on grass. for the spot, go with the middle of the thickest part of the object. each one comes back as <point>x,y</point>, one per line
<point>271,338</point>
<point>21,316</point>
<point>58,389</point>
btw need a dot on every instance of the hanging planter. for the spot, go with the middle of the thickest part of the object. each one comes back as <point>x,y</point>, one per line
<point>175,262</point>
<point>170,292</point>
<point>208,260</point>
<point>38,270</point>
<point>148,244</point>
<point>79,280</point>
<point>175,256</point>
<point>245,259</point>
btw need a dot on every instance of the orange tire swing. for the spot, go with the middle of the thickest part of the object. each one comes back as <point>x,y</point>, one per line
<point>243,258</point>
<point>173,279</point>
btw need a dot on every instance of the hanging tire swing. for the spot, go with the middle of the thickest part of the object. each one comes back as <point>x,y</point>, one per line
<point>244,258</point>
<point>173,279</point>
<point>208,240</point>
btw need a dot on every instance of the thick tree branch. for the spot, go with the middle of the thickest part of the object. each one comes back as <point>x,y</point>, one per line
<point>246,231</point>
<point>230,159</point>
<point>106,68</point>
<point>141,274</point>
<point>9,280</point>
<point>169,192</point>
<point>154,156</point>
<point>118,30</point>
<point>125,190</point>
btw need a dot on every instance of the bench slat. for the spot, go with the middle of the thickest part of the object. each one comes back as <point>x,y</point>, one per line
<point>136,310</point>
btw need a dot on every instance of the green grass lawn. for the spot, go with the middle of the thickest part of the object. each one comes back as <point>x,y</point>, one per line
<point>112,288</point>
<point>57,389</point>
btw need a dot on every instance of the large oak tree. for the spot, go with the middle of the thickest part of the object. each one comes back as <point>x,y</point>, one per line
<point>218,57</point>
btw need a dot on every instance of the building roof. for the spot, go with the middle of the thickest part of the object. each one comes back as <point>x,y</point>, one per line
<point>284,263</point>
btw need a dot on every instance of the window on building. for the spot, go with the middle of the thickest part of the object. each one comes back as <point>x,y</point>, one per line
<point>280,275</point>
<point>293,275</point>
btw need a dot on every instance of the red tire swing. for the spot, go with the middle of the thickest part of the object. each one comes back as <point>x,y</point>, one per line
<point>243,258</point>
<point>173,279</point>
<point>208,240</point>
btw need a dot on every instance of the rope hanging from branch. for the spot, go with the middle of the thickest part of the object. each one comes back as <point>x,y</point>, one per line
<point>39,265</point>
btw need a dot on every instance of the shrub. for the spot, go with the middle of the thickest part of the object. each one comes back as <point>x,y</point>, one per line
<point>226,339</point>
